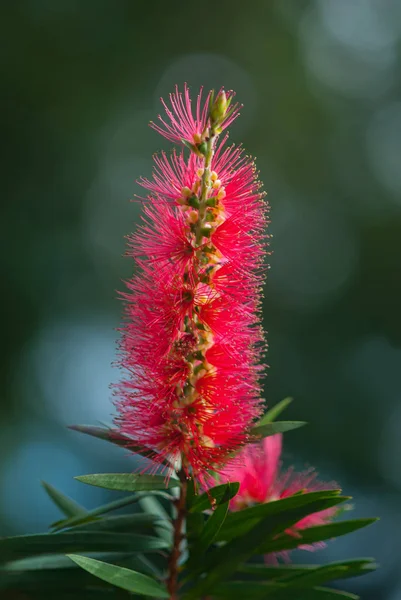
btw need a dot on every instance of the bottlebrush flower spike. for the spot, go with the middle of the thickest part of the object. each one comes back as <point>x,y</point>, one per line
<point>257,469</point>
<point>192,341</point>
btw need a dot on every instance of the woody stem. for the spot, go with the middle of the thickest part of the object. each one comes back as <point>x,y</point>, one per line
<point>178,535</point>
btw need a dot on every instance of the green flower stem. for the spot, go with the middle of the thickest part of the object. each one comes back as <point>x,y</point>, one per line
<point>205,186</point>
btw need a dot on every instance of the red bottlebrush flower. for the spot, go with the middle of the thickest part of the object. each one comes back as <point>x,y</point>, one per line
<point>257,469</point>
<point>183,125</point>
<point>192,342</point>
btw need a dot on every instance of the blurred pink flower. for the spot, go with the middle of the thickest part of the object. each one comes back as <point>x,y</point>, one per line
<point>257,468</point>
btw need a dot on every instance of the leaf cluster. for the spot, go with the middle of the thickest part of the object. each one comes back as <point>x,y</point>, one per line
<point>100,554</point>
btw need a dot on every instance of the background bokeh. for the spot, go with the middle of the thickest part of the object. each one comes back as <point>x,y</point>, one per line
<point>320,81</point>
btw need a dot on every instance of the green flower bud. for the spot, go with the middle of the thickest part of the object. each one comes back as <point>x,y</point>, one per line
<point>206,231</point>
<point>219,108</point>
<point>202,148</point>
<point>193,201</point>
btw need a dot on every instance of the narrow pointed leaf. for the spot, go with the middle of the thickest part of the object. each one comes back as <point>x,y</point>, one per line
<point>290,573</point>
<point>257,590</point>
<point>328,573</point>
<point>89,594</point>
<point>96,512</point>
<point>188,145</point>
<point>319,577</point>
<point>56,573</point>
<point>115,437</point>
<point>128,482</point>
<point>323,593</point>
<point>73,579</point>
<point>14,548</point>
<point>132,581</point>
<point>276,591</point>
<point>59,562</point>
<point>111,435</point>
<point>313,535</point>
<point>211,528</point>
<point>229,533</point>
<point>266,572</point>
<point>52,562</point>
<point>138,522</point>
<point>262,431</point>
<point>69,507</point>
<point>316,593</point>
<point>215,496</point>
<point>151,505</point>
<point>274,412</point>
<point>244,519</point>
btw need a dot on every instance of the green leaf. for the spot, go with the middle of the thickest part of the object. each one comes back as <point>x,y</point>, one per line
<point>164,529</point>
<point>311,535</point>
<point>245,589</point>
<point>316,593</point>
<point>96,512</point>
<point>274,412</point>
<point>262,431</point>
<point>211,528</point>
<point>111,435</point>
<point>115,437</point>
<point>261,590</point>
<point>195,520</point>
<point>69,507</point>
<point>329,572</point>
<point>290,573</point>
<point>214,495</point>
<point>56,572</point>
<point>151,504</point>
<point>266,572</point>
<point>53,572</point>
<point>128,482</point>
<point>190,146</point>
<point>56,562</point>
<point>121,577</point>
<point>14,548</point>
<point>293,515</point>
<point>77,594</point>
<point>139,522</point>
<point>195,523</point>
<point>43,579</point>
<point>243,520</point>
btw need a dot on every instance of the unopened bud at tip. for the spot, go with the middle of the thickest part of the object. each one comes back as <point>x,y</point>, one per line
<point>219,108</point>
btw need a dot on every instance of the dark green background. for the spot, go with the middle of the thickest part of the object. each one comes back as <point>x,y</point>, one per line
<point>320,82</point>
